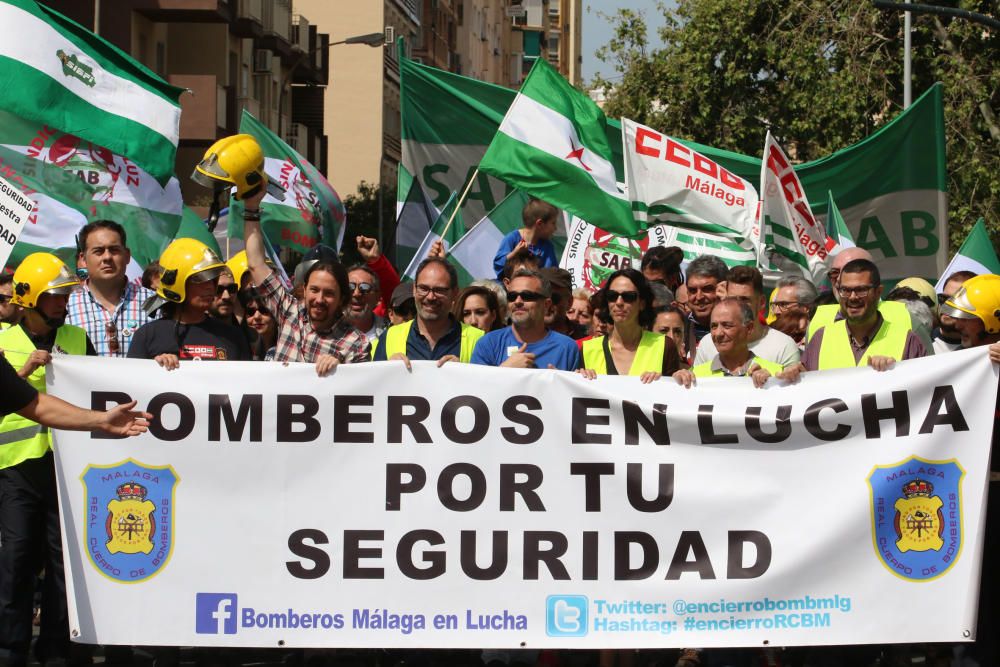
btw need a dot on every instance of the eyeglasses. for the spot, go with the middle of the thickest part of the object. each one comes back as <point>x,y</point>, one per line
<point>364,288</point>
<point>525,295</point>
<point>253,310</point>
<point>111,332</point>
<point>424,290</point>
<point>631,296</point>
<point>231,288</point>
<point>4,298</point>
<point>783,305</point>
<point>860,291</point>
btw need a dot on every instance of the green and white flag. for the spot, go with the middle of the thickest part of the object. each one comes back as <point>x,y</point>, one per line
<point>891,187</point>
<point>448,237</point>
<point>193,227</point>
<point>791,238</point>
<point>553,144</point>
<point>311,211</point>
<point>977,254</point>
<point>414,217</point>
<point>836,228</point>
<point>473,253</point>
<point>57,73</point>
<point>75,182</point>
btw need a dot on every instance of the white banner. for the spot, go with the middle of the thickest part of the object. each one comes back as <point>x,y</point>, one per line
<point>675,184</point>
<point>480,507</point>
<point>592,254</point>
<point>15,208</point>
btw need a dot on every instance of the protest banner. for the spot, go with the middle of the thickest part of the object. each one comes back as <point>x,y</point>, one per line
<point>592,254</point>
<point>791,238</point>
<point>15,208</point>
<point>891,187</point>
<point>673,184</point>
<point>477,507</point>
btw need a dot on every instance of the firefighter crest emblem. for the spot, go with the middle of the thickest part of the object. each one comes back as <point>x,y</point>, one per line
<point>917,516</point>
<point>129,518</point>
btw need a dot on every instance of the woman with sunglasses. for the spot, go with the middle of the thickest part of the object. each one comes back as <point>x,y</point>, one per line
<point>259,325</point>
<point>630,349</point>
<point>479,307</point>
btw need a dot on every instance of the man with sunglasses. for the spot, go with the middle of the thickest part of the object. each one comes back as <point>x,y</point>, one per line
<point>225,305</point>
<point>860,334</point>
<point>365,295</point>
<point>109,306</point>
<point>9,313</point>
<point>527,343</point>
<point>434,335</point>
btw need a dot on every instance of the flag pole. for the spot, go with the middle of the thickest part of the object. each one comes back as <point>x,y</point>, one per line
<point>458,204</point>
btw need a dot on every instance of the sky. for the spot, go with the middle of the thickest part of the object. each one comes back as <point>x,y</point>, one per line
<point>597,31</point>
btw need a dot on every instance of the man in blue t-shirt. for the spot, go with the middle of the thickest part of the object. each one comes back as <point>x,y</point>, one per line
<point>527,343</point>
<point>540,221</point>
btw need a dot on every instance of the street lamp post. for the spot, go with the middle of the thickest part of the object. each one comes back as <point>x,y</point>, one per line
<point>373,39</point>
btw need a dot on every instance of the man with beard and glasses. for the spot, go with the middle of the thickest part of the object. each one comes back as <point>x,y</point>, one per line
<point>527,343</point>
<point>860,335</point>
<point>29,511</point>
<point>435,335</point>
<point>9,313</point>
<point>109,307</point>
<point>226,307</point>
<point>947,337</point>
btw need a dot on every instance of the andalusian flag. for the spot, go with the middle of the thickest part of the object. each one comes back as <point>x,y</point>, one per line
<point>977,254</point>
<point>58,74</point>
<point>449,237</point>
<point>836,228</point>
<point>553,144</point>
<point>475,251</point>
<point>311,212</point>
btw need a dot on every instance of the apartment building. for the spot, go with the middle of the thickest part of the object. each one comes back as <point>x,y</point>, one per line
<point>232,55</point>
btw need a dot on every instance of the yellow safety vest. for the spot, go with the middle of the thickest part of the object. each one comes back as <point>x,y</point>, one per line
<point>648,356</point>
<point>705,370</point>
<point>836,351</point>
<point>396,335</point>
<point>892,311</point>
<point>22,439</point>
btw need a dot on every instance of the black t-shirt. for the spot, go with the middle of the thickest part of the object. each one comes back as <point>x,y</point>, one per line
<point>15,393</point>
<point>208,339</point>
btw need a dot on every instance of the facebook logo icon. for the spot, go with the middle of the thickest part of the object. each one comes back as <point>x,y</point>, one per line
<point>215,613</point>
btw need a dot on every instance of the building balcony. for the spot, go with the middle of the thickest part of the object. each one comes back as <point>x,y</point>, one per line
<point>248,21</point>
<point>186,11</point>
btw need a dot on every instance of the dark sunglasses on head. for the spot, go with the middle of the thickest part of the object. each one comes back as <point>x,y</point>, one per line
<point>232,288</point>
<point>524,295</point>
<point>364,288</point>
<point>630,296</point>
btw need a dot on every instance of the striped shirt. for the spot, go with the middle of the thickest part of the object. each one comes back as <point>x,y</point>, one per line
<point>103,327</point>
<point>298,340</point>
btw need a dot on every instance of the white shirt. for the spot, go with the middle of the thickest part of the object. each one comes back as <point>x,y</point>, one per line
<point>773,346</point>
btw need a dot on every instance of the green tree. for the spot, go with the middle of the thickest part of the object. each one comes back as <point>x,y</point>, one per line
<point>820,74</point>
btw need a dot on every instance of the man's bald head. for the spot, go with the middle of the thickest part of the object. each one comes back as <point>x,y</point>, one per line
<point>849,255</point>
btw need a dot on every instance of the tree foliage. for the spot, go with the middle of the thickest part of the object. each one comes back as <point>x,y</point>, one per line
<point>820,74</point>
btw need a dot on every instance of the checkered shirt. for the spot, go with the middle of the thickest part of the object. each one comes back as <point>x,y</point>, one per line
<point>298,340</point>
<point>83,310</point>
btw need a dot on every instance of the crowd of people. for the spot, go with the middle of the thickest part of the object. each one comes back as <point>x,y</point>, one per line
<point>655,322</point>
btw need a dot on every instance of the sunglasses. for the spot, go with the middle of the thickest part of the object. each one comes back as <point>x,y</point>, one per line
<point>253,310</point>
<point>525,295</point>
<point>4,298</point>
<point>111,332</point>
<point>364,288</point>
<point>231,288</point>
<point>630,296</point>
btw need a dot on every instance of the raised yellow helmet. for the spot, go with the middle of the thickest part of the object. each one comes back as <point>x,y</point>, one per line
<point>184,259</point>
<point>978,297</point>
<point>235,160</point>
<point>41,273</point>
